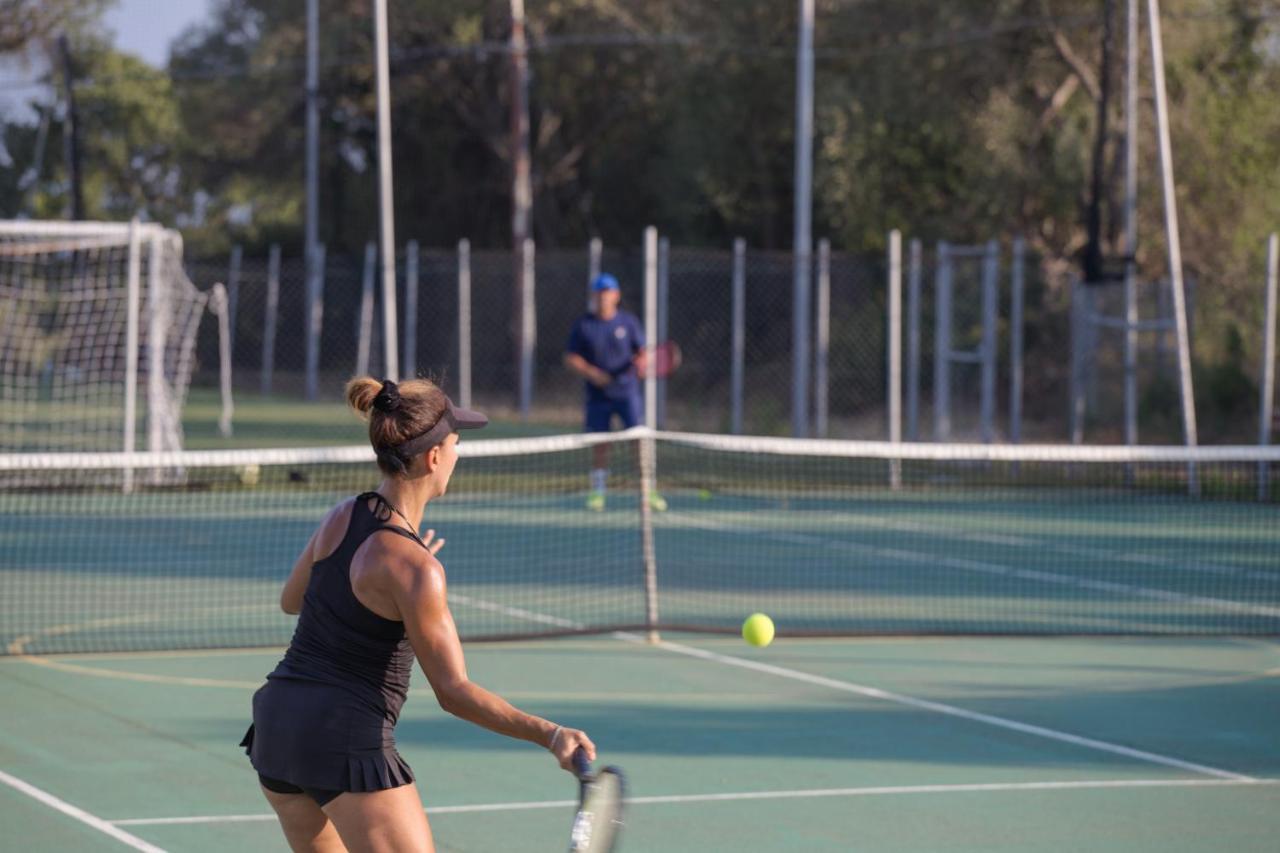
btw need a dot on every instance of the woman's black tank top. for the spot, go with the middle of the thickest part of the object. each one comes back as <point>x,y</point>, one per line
<point>340,642</point>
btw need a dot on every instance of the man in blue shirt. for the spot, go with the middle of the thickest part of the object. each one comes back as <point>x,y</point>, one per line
<point>605,348</point>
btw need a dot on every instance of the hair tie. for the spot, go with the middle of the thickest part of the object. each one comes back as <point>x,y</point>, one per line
<point>388,399</point>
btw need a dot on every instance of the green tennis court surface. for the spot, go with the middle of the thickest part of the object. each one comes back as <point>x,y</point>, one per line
<point>1013,744</point>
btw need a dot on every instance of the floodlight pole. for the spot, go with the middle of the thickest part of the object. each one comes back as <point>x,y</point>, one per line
<point>802,247</point>
<point>386,214</point>
<point>311,254</point>
<point>1131,231</point>
<point>521,192</point>
<point>1175,247</point>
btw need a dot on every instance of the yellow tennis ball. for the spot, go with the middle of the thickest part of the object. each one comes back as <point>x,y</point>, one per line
<point>758,630</point>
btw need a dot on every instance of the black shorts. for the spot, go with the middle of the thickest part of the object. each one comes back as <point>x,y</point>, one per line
<point>322,796</point>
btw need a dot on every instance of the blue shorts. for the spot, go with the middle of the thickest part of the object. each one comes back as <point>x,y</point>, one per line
<point>600,413</point>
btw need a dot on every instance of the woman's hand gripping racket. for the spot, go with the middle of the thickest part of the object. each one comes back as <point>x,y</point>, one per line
<point>598,822</point>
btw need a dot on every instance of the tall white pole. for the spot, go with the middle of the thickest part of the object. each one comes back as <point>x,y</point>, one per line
<point>1171,231</point>
<point>664,297</point>
<point>802,244</point>
<point>1268,378</point>
<point>158,411</point>
<point>648,447</point>
<point>1131,232</point>
<point>386,214</point>
<point>521,182</point>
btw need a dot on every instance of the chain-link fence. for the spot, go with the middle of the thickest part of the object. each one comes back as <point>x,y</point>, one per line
<point>698,285</point>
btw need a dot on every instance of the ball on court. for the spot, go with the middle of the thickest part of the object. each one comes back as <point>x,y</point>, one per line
<point>250,474</point>
<point>758,630</point>
<point>704,494</point>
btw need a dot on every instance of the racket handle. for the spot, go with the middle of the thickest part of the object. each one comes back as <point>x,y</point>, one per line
<point>581,765</point>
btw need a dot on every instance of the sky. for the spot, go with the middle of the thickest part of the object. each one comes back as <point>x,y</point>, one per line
<point>147,27</point>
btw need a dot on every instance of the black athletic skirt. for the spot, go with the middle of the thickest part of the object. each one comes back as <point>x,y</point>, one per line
<point>315,735</point>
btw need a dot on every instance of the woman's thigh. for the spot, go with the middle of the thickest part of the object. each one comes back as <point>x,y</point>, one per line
<point>306,827</point>
<point>389,821</point>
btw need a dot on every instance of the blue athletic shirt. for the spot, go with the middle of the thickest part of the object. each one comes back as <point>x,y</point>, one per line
<point>609,345</point>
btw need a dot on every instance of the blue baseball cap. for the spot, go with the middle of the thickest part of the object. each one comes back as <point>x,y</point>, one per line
<point>604,281</point>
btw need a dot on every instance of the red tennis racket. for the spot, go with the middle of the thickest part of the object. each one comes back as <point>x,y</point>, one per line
<point>666,360</point>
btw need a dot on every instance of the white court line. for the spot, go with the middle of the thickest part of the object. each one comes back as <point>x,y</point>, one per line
<point>953,711</point>
<point>887,696</point>
<point>757,795</point>
<point>103,826</point>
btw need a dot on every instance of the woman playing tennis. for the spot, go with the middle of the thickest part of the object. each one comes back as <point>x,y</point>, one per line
<point>370,595</point>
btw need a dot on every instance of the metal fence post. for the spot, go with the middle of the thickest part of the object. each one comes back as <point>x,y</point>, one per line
<point>913,342</point>
<point>664,297</point>
<point>822,340</point>
<point>739,335</point>
<point>464,323</point>
<point>364,331</point>
<point>1018,285</point>
<point>233,292</point>
<point>315,318</point>
<point>990,296</point>
<point>528,328</point>
<point>410,367</point>
<point>895,352</point>
<point>942,347</point>
<point>270,318</point>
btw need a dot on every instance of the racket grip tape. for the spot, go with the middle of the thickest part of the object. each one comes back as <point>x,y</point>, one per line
<point>581,765</point>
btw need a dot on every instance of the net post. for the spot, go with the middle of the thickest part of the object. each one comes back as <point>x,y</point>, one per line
<point>913,342</point>
<point>364,338</point>
<point>647,451</point>
<point>464,323</point>
<point>1268,379</point>
<point>410,366</point>
<point>895,353</point>
<point>739,334</point>
<point>270,318</point>
<point>942,346</point>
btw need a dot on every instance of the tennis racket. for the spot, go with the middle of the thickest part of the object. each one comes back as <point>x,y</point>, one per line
<point>666,359</point>
<point>598,822</point>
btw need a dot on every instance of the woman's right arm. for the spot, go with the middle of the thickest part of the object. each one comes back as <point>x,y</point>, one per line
<point>420,595</point>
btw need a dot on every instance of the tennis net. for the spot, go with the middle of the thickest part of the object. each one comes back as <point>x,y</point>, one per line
<point>115,552</point>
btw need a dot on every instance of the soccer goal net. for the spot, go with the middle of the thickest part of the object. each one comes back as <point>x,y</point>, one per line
<point>97,328</point>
